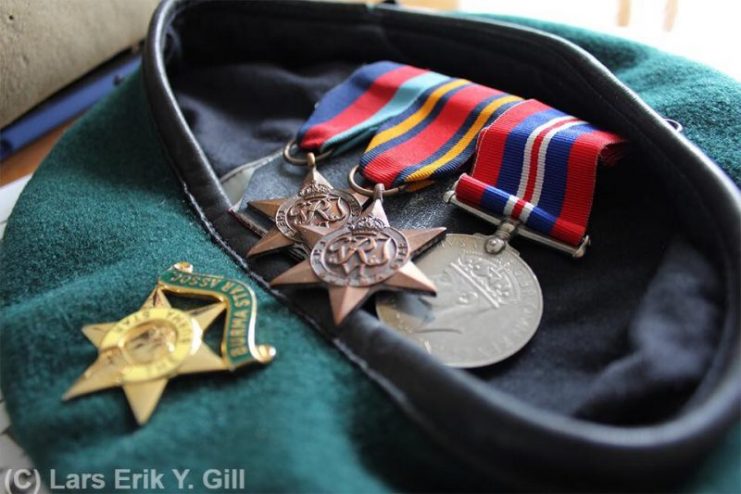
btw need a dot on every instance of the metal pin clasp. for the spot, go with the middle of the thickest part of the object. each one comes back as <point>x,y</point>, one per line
<point>505,231</point>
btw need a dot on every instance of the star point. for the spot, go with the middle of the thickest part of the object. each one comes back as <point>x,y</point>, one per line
<point>273,240</point>
<point>345,299</point>
<point>300,274</point>
<point>268,207</point>
<point>96,332</point>
<point>143,397</point>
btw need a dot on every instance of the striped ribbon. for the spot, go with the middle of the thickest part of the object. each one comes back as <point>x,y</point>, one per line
<point>537,165</point>
<point>435,136</point>
<point>353,110</point>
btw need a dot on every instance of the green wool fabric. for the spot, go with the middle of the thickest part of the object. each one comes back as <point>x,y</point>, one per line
<point>97,224</point>
<point>104,215</point>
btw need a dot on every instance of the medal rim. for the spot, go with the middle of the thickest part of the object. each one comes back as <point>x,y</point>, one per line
<point>392,267</point>
<point>188,339</point>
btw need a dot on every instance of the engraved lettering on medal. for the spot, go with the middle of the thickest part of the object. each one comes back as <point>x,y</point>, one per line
<point>196,281</point>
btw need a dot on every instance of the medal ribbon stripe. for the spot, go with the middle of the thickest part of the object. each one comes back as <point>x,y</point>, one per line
<point>509,137</point>
<point>459,149</point>
<point>404,96</point>
<point>538,165</point>
<point>355,108</point>
<point>435,136</point>
<point>407,126</point>
<point>416,113</point>
<point>573,215</point>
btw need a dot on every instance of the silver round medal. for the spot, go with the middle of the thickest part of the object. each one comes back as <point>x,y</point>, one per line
<point>487,307</point>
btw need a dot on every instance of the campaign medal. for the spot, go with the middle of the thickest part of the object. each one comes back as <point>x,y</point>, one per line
<point>344,117</point>
<point>362,257</point>
<point>533,176</point>
<point>142,351</point>
<point>430,139</point>
<point>488,305</point>
<point>316,204</point>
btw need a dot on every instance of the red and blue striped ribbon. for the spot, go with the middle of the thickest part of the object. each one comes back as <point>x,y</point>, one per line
<point>353,110</point>
<point>435,136</point>
<point>538,165</point>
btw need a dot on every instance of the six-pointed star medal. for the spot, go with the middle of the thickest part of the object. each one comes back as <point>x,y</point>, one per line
<point>316,204</point>
<point>145,349</point>
<point>364,256</point>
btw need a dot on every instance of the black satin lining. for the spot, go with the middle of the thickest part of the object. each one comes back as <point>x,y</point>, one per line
<point>627,333</point>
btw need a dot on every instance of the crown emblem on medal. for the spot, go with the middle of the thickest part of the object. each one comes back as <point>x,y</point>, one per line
<point>366,224</point>
<point>488,274</point>
<point>314,190</point>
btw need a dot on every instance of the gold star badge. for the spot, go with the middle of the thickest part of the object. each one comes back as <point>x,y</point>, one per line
<point>361,258</point>
<point>144,350</point>
<point>316,204</point>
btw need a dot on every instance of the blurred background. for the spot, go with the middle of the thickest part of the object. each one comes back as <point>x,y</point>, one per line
<point>60,57</point>
<point>704,30</point>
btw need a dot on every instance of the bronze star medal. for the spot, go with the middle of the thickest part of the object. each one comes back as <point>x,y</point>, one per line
<point>362,257</point>
<point>142,351</point>
<point>316,204</point>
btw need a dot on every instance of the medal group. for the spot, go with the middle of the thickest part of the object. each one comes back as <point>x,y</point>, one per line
<point>470,300</point>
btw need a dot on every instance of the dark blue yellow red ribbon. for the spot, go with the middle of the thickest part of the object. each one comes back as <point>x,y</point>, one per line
<point>435,136</point>
<point>425,123</point>
<point>538,165</point>
<point>353,110</point>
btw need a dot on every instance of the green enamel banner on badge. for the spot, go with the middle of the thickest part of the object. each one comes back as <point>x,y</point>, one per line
<point>238,343</point>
